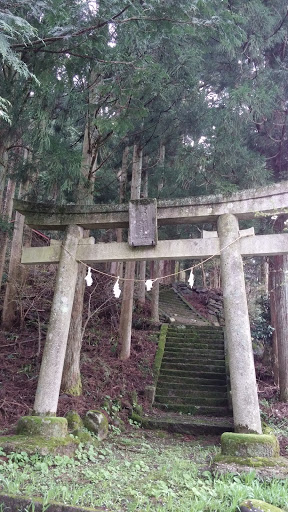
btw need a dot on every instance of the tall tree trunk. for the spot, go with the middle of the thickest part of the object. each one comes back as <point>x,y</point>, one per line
<point>280,292</point>
<point>125,326</point>
<point>142,264</point>
<point>13,287</point>
<point>16,271</point>
<point>158,267</point>
<point>122,177</point>
<point>155,291</point>
<point>3,171</point>
<point>7,215</point>
<point>71,377</point>
<point>273,315</point>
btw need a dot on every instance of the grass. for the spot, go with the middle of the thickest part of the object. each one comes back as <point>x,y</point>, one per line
<point>136,472</point>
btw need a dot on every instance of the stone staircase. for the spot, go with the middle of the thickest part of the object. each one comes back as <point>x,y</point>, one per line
<point>191,394</point>
<point>192,377</point>
<point>174,307</point>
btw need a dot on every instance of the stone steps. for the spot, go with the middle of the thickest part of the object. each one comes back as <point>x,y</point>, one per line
<point>187,424</point>
<point>191,389</point>
<point>192,377</point>
<point>175,307</point>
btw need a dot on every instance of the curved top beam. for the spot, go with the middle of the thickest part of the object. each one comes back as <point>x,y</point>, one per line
<point>245,204</point>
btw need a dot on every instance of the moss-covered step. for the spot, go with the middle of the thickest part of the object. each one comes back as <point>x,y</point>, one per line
<point>187,364</point>
<point>197,410</point>
<point>192,382</point>
<point>191,400</point>
<point>204,391</point>
<point>191,349</point>
<point>196,353</point>
<point>196,373</point>
<point>176,358</point>
<point>195,367</point>
<point>191,425</point>
<point>173,305</point>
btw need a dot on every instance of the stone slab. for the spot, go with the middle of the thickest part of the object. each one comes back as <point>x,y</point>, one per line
<point>143,222</point>
<point>261,245</point>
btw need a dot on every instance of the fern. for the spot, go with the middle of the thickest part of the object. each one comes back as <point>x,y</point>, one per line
<point>14,29</point>
<point>4,105</point>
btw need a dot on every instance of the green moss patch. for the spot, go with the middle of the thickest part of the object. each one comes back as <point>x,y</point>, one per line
<point>249,445</point>
<point>259,506</point>
<point>160,351</point>
<point>46,426</point>
<point>38,444</point>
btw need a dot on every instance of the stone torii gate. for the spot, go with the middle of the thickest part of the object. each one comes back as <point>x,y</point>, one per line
<point>143,245</point>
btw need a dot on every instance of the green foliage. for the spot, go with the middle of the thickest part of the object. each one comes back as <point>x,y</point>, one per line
<point>14,29</point>
<point>136,473</point>
<point>261,329</point>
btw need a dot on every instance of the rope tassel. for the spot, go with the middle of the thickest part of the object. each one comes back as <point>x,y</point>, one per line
<point>88,278</point>
<point>149,284</point>
<point>191,279</point>
<point>116,289</point>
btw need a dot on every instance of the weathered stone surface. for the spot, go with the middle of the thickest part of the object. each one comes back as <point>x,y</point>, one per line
<point>74,421</point>
<point>244,204</point>
<point>258,506</point>
<point>39,444</point>
<point>249,445</point>
<point>142,222</point>
<point>246,411</point>
<point>96,422</point>
<point>23,503</point>
<point>46,426</point>
<point>262,245</point>
<point>47,394</point>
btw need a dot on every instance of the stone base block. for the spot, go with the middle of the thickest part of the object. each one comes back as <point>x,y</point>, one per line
<point>44,426</point>
<point>249,445</point>
<point>39,444</point>
<point>258,506</point>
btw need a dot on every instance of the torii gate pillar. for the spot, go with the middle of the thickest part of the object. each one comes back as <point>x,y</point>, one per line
<point>241,362</point>
<point>47,394</point>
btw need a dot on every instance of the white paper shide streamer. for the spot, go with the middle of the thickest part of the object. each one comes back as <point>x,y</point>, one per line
<point>191,279</point>
<point>88,278</point>
<point>149,284</point>
<point>116,289</point>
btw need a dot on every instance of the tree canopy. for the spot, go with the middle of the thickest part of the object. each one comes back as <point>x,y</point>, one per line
<point>205,79</point>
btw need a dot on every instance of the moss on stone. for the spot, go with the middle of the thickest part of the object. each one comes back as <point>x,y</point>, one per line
<point>75,390</point>
<point>259,505</point>
<point>96,422</point>
<point>160,351</point>
<point>85,438</point>
<point>46,426</point>
<point>249,445</point>
<point>74,421</point>
<point>38,444</point>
